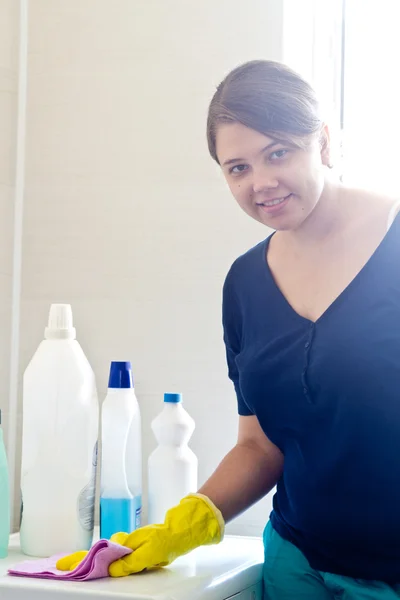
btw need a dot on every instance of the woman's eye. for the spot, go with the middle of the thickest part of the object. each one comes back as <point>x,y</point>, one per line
<point>278,154</point>
<point>237,169</point>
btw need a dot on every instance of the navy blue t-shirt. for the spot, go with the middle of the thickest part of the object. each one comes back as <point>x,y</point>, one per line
<point>328,395</point>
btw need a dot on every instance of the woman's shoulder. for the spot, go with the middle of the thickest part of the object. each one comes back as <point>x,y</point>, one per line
<point>376,201</point>
<point>252,259</point>
<point>370,208</point>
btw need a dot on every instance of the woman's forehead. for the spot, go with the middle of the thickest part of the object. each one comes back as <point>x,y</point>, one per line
<point>234,138</point>
<point>235,141</point>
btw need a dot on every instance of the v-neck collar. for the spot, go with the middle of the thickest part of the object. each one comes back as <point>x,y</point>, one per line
<point>340,297</point>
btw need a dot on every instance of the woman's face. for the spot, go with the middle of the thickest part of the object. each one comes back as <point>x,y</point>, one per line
<point>274,182</point>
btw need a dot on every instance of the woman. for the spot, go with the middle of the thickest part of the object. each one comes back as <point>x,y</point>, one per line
<point>312,331</point>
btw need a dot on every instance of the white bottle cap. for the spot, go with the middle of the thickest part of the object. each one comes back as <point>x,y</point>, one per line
<point>60,324</point>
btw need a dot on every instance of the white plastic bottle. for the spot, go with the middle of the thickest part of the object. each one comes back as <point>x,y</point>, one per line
<point>59,443</point>
<point>172,467</point>
<point>121,462</point>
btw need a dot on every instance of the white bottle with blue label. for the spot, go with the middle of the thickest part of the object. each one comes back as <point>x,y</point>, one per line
<point>172,466</point>
<point>121,462</point>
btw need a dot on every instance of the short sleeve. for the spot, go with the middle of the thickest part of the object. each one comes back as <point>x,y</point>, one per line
<point>232,324</point>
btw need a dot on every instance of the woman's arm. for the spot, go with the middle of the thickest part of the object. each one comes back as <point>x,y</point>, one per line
<point>247,473</point>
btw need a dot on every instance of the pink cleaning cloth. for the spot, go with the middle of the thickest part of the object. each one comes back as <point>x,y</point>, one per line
<point>93,566</point>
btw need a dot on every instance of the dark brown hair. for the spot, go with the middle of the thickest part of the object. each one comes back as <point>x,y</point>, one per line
<point>266,96</point>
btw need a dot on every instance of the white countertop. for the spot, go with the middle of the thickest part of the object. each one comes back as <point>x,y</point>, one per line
<point>209,573</point>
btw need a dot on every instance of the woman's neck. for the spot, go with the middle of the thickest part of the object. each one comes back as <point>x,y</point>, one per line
<point>326,219</point>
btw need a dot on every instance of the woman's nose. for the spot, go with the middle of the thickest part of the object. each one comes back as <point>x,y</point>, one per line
<point>264,179</point>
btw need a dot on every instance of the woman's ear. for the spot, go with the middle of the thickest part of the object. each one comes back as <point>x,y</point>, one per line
<point>325,145</point>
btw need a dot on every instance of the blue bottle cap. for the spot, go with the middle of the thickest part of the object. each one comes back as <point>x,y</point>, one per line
<point>120,375</point>
<point>174,398</point>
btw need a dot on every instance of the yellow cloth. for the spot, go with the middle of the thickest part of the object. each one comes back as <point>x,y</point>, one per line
<point>194,522</point>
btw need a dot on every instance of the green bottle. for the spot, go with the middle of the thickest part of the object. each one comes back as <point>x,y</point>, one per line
<point>4,499</point>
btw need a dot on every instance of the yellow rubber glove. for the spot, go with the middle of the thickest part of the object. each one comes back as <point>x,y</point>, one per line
<point>70,562</point>
<point>194,522</point>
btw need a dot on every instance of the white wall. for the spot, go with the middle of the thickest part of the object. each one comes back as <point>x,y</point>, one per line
<point>125,215</point>
<point>8,120</point>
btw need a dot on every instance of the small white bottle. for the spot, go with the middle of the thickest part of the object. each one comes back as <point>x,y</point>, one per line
<point>121,462</point>
<point>59,443</point>
<point>172,467</point>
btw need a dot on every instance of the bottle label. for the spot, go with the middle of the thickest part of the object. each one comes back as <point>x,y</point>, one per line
<point>21,510</point>
<point>86,500</point>
<point>138,511</point>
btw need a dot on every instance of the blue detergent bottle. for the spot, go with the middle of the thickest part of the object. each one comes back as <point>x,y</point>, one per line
<point>4,499</point>
<point>120,480</point>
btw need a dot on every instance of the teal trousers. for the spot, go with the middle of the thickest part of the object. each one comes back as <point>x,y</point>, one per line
<point>287,575</point>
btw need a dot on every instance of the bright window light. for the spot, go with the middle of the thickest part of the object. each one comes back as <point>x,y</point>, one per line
<point>371,95</point>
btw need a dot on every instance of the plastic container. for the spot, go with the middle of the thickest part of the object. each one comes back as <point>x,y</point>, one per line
<point>121,462</point>
<point>59,443</point>
<point>172,467</point>
<point>4,499</point>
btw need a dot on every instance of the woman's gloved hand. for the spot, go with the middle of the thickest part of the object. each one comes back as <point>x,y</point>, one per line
<point>70,562</point>
<point>194,522</point>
